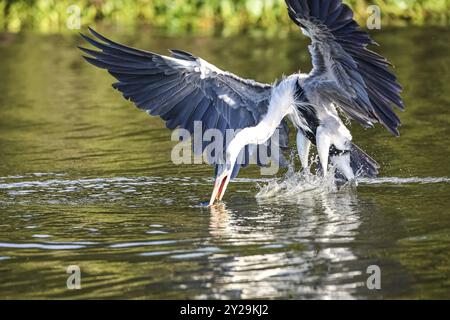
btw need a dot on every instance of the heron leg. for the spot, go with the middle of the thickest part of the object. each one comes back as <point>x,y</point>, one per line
<point>323,142</point>
<point>303,146</point>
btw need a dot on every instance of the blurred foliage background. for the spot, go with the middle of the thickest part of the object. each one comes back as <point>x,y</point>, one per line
<point>200,16</point>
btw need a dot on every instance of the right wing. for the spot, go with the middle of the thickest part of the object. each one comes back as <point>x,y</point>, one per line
<point>345,72</point>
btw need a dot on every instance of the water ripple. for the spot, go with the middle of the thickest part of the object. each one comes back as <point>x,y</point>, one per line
<point>144,243</point>
<point>410,180</point>
<point>41,246</point>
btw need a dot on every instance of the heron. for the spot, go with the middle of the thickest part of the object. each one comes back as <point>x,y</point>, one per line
<point>347,81</point>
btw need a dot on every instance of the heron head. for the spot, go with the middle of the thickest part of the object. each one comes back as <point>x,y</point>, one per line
<point>221,183</point>
<point>226,168</point>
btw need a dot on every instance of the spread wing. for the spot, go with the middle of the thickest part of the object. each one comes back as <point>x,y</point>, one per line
<point>182,89</point>
<point>356,79</point>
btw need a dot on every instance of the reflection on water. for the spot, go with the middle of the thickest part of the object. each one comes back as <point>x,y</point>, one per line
<point>326,219</point>
<point>86,179</point>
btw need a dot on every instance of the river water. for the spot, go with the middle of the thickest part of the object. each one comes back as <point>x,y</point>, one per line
<point>86,179</point>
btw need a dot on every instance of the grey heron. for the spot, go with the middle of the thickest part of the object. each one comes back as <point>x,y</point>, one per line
<point>347,79</point>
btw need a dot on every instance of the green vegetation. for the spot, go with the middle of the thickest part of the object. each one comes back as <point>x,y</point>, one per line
<point>200,16</point>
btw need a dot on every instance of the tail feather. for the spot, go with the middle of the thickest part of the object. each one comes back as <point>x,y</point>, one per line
<point>362,164</point>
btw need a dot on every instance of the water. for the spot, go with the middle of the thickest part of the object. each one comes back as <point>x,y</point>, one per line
<point>86,180</point>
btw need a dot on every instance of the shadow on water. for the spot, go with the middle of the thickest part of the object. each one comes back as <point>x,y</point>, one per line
<point>87,180</point>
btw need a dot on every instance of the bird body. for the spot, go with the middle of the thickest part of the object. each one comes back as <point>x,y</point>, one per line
<point>346,76</point>
<point>317,123</point>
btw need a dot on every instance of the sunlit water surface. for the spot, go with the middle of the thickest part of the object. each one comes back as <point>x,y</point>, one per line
<point>86,180</point>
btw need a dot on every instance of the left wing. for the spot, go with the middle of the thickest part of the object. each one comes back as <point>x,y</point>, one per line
<point>356,79</point>
<point>182,89</point>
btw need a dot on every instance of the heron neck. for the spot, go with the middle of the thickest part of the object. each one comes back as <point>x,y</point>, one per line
<point>281,102</point>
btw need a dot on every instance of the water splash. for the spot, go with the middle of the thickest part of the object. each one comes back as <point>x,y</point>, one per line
<point>294,183</point>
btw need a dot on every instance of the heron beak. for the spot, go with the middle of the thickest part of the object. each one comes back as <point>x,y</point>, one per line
<point>220,185</point>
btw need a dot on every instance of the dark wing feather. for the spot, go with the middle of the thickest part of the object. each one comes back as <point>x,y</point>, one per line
<point>339,53</point>
<point>181,89</point>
